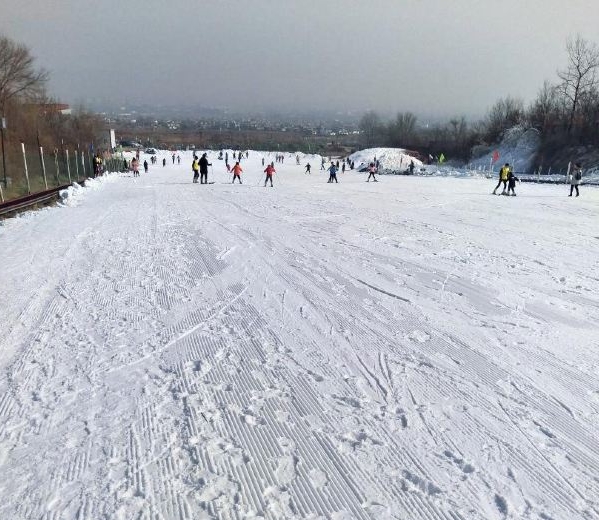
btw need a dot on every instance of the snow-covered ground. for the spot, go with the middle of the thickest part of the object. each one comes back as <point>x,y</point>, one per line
<point>411,349</point>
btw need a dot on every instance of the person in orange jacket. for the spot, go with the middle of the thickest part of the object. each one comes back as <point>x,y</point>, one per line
<point>270,169</point>
<point>237,173</point>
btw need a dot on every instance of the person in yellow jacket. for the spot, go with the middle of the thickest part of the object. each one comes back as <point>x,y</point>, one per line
<point>504,174</point>
<point>195,168</point>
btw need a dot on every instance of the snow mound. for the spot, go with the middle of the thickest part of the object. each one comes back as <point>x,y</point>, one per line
<point>74,194</point>
<point>390,159</point>
<point>518,147</point>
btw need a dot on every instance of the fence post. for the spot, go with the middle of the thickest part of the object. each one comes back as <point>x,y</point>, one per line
<point>1,194</point>
<point>83,162</point>
<point>68,166</point>
<point>43,167</point>
<point>26,170</point>
<point>77,165</point>
<point>57,167</point>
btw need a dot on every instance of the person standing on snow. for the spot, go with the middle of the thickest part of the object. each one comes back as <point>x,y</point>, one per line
<point>145,166</point>
<point>308,168</point>
<point>195,168</point>
<point>204,169</point>
<point>504,173</point>
<point>511,183</point>
<point>575,179</point>
<point>371,172</point>
<point>333,173</point>
<point>322,164</point>
<point>269,171</point>
<point>411,167</point>
<point>237,172</point>
<point>164,162</point>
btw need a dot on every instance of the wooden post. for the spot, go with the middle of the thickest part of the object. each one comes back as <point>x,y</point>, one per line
<point>57,167</point>
<point>26,170</point>
<point>68,166</point>
<point>1,194</point>
<point>43,167</point>
<point>77,164</point>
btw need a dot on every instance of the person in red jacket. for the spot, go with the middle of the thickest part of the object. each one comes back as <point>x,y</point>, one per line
<point>237,172</point>
<point>270,169</point>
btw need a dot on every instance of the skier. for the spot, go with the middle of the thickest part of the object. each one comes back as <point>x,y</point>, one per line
<point>269,171</point>
<point>178,159</point>
<point>237,172</point>
<point>343,167</point>
<point>308,168</point>
<point>575,179</point>
<point>371,171</point>
<point>511,183</point>
<point>411,167</point>
<point>135,167</point>
<point>195,168</point>
<point>322,164</point>
<point>145,166</point>
<point>333,173</point>
<point>204,169</point>
<point>504,173</point>
<point>173,158</point>
<point>164,162</point>
<point>262,161</point>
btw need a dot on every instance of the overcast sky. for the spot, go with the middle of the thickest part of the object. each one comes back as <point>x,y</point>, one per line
<point>444,57</point>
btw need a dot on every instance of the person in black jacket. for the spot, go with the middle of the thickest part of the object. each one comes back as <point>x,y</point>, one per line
<point>511,183</point>
<point>204,169</point>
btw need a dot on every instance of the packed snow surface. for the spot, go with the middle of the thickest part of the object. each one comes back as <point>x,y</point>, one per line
<point>411,349</point>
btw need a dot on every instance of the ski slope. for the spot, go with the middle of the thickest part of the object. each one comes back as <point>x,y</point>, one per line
<point>409,349</point>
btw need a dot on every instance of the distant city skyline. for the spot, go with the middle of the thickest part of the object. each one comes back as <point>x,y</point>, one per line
<point>431,57</point>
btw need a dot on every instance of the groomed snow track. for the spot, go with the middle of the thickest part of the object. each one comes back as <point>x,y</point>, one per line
<point>402,350</point>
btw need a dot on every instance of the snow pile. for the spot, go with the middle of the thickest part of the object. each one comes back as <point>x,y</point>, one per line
<point>518,147</point>
<point>73,195</point>
<point>390,159</point>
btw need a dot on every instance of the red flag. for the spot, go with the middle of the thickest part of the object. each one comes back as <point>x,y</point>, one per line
<point>495,156</point>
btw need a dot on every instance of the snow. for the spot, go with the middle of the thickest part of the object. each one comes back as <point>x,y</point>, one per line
<point>414,348</point>
<point>393,159</point>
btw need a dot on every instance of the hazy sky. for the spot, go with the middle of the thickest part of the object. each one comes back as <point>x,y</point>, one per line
<point>445,57</point>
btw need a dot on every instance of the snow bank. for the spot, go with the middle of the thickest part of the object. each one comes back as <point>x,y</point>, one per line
<point>74,194</point>
<point>391,159</point>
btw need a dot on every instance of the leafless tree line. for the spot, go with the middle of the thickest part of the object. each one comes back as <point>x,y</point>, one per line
<point>565,112</point>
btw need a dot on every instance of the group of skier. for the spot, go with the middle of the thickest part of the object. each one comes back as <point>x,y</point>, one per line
<point>508,179</point>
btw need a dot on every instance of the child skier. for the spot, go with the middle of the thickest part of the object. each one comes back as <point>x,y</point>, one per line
<point>511,183</point>
<point>371,172</point>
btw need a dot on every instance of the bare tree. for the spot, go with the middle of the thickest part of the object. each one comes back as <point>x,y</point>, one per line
<point>580,76</point>
<point>18,77</point>
<point>543,113</point>
<point>401,131</point>
<point>504,114</point>
<point>370,127</point>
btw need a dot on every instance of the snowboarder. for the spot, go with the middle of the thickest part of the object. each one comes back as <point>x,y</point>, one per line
<point>504,173</point>
<point>511,183</point>
<point>145,166</point>
<point>195,168</point>
<point>237,172</point>
<point>371,171</point>
<point>308,168</point>
<point>269,171</point>
<point>575,179</point>
<point>333,173</point>
<point>204,169</point>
